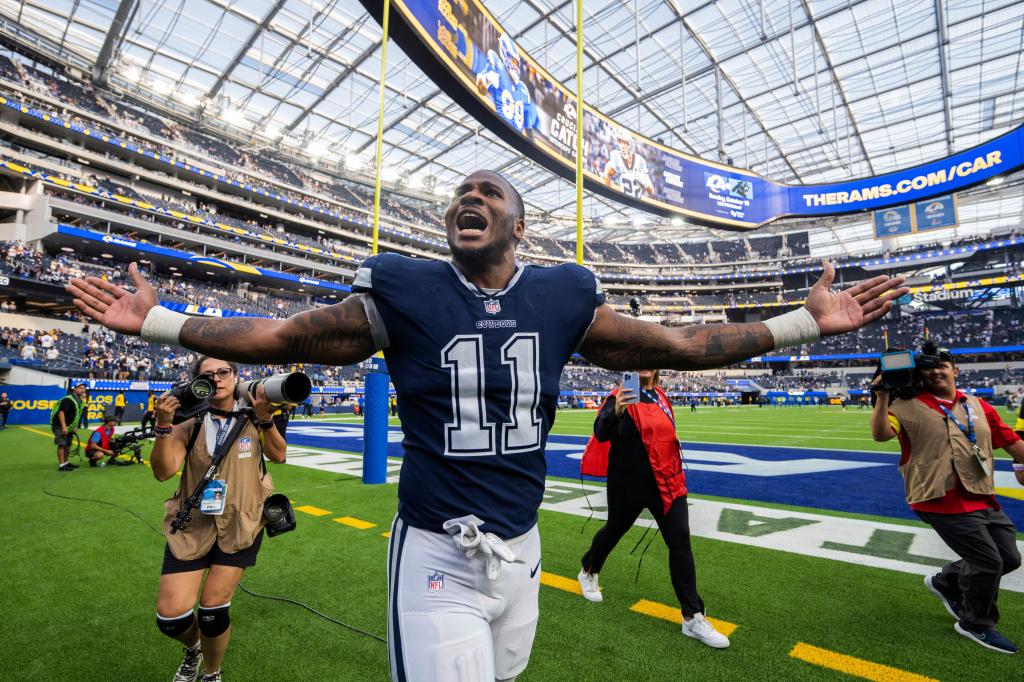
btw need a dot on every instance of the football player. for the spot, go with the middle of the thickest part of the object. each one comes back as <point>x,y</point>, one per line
<point>475,347</point>
<point>626,169</point>
<point>499,77</point>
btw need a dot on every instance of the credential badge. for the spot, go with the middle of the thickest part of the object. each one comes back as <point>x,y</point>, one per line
<point>492,306</point>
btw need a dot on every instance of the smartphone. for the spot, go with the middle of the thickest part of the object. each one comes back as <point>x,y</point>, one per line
<point>631,382</point>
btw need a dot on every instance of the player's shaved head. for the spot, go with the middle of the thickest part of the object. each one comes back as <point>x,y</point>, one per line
<point>484,221</point>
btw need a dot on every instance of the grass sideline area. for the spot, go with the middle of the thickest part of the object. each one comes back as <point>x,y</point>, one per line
<point>81,581</point>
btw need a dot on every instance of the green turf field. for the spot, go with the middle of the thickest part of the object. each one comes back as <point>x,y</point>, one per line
<point>80,582</point>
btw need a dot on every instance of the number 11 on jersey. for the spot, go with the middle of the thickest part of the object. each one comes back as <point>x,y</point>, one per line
<point>470,434</point>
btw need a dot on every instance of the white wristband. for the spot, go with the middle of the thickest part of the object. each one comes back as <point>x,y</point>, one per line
<point>795,328</point>
<point>162,325</point>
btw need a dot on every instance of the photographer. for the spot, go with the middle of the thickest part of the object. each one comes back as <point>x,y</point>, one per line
<point>99,445</point>
<point>222,541</point>
<point>947,440</point>
<point>63,421</point>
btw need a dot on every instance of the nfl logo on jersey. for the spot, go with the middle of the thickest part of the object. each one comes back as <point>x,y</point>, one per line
<point>492,306</point>
<point>435,582</point>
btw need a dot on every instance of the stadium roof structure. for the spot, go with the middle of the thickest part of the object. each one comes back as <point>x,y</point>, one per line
<point>810,90</point>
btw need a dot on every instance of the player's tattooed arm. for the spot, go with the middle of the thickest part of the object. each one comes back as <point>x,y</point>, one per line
<point>337,335</point>
<point>619,342</point>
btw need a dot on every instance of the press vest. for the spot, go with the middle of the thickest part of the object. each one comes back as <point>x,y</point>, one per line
<point>658,434</point>
<point>247,488</point>
<point>940,452</point>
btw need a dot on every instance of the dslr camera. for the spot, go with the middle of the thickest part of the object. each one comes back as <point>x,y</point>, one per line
<point>194,394</point>
<point>901,368</point>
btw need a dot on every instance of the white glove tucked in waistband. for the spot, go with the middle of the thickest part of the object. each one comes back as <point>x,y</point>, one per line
<point>470,540</point>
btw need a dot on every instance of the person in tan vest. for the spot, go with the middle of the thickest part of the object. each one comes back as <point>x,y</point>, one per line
<point>947,440</point>
<point>224,535</point>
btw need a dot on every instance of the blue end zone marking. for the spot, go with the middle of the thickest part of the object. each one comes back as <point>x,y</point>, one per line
<point>838,480</point>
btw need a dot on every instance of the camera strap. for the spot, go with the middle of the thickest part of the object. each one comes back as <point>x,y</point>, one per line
<point>968,431</point>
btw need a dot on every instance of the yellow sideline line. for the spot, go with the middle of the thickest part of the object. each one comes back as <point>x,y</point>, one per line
<point>312,511</point>
<point>560,583</point>
<point>673,615</point>
<point>850,665</point>
<point>1016,493</point>
<point>354,522</point>
<point>41,433</point>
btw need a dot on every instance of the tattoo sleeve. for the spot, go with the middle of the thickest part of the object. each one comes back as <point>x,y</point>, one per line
<point>618,342</point>
<point>336,335</point>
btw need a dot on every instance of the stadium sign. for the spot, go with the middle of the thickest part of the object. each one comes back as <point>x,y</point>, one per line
<point>943,295</point>
<point>208,261</point>
<point>111,239</point>
<point>463,48</point>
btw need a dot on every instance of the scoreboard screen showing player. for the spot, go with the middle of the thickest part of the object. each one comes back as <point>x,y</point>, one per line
<point>461,45</point>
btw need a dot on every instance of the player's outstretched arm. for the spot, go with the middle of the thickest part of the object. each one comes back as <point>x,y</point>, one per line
<point>619,342</point>
<point>338,334</point>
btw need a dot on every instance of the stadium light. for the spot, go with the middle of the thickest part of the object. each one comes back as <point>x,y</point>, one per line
<point>188,99</point>
<point>414,181</point>
<point>232,115</point>
<point>388,174</point>
<point>637,221</point>
<point>677,222</point>
<point>132,74</point>
<point>996,181</point>
<point>162,87</point>
<point>316,148</point>
<point>272,131</point>
<point>353,161</point>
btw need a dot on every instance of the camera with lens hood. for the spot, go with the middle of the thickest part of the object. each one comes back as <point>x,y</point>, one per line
<point>194,394</point>
<point>900,369</point>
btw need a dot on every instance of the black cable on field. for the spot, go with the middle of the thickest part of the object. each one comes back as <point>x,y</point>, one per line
<point>311,610</point>
<point>287,600</point>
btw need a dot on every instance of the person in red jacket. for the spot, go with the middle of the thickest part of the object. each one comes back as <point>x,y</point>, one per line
<point>635,446</point>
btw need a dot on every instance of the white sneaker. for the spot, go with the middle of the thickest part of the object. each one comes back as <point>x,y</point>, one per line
<point>188,671</point>
<point>588,583</point>
<point>699,628</point>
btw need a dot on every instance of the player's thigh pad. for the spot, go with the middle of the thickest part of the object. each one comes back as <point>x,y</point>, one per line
<point>437,628</point>
<point>513,631</point>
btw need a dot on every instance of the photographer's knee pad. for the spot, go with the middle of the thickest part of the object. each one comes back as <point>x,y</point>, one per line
<point>214,620</point>
<point>175,626</point>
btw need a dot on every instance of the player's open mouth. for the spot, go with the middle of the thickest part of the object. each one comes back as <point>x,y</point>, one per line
<point>469,221</point>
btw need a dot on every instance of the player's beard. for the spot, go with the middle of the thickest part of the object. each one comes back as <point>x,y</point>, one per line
<point>482,257</point>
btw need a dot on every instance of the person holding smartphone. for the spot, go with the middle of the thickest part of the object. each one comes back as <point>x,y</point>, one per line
<point>636,447</point>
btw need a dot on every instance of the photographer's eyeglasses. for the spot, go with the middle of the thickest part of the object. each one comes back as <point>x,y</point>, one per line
<point>223,373</point>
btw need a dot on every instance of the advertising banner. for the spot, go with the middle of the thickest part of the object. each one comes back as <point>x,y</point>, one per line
<point>115,241</point>
<point>891,222</point>
<point>460,45</point>
<point>936,213</point>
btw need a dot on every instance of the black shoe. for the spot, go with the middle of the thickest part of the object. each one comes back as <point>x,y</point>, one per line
<point>65,467</point>
<point>951,605</point>
<point>92,463</point>
<point>990,639</point>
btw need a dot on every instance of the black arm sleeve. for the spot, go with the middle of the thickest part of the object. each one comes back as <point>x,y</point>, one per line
<point>608,425</point>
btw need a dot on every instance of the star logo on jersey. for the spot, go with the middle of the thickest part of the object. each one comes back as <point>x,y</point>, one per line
<point>492,306</point>
<point>435,582</point>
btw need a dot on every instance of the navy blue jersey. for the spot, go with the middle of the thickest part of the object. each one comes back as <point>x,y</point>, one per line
<point>477,379</point>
